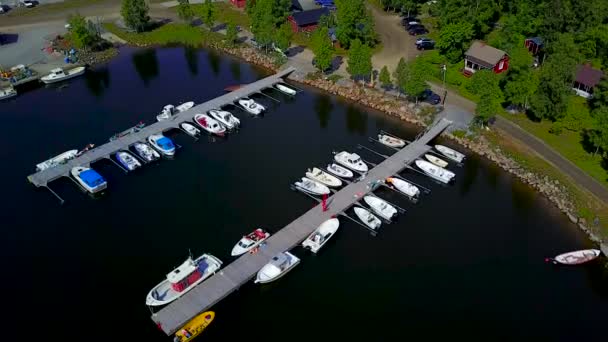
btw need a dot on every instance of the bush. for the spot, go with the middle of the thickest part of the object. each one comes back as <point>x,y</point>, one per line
<point>334,78</point>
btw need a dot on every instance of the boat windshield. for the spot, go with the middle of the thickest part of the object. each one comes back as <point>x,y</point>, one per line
<point>245,245</point>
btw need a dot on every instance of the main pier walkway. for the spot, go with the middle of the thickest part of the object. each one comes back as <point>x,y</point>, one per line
<point>227,280</point>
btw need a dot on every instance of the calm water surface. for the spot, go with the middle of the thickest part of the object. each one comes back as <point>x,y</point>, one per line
<point>465,262</point>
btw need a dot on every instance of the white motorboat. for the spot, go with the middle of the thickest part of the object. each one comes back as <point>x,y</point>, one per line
<point>183,279</point>
<point>312,187</point>
<point>277,267</point>
<point>380,207</point>
<point>58,75</point>
<point>435,160</point>
<point>209,124</point>
<point>146,152</point>
<point>57,160</point>
<point>351,161</point>
<point>127,160</point>
<point>8,92</point>
<point>225,118</point>
<point>184,106</point>
<point>251,106</point>
<point>407,188</point>
<point>435,171</point>
<point>285,89</point>
<point>368,218</point>
<point>577,257</point>
<point>250,241</point>
<point>321,235</point>
<point>450,153</point>
<point>190,129</point>
<point>170,110</point>
<point>89,179</point>
<point>390,141</point>
<point>163,144</point>
<point>340,171</point>
<point>323,177</point>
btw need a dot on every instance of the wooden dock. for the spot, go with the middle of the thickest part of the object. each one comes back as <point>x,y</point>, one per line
<point>42,178</point>
<point>230,278</point>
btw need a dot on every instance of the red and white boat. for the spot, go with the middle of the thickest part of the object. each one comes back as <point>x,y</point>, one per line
<point>577,257</point>
<point>183,279</point>
<point>250,241</point>
<point>209,124</point>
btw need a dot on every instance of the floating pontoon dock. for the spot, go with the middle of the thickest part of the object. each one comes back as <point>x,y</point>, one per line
<point>173,316</point>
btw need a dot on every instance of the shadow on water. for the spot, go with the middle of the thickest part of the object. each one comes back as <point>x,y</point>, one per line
<point>146,65</point>
<point>215,62</point>
<point>323,108</point>
<point>356,121</point>
<point>235,70</point>
<point>191,60</point>
<point>471,169</point>
<point>522,197</point>
<point>492,175</point>
<point>97,81</point>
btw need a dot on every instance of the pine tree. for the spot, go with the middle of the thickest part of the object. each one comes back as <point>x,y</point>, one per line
<point>322,48</point>
<point>135,14</point>
<point>385,78</point>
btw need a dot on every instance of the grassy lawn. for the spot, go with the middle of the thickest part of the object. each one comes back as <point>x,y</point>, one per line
<point>54,7</point>
<point>167,34</point>
<point>226,12</point>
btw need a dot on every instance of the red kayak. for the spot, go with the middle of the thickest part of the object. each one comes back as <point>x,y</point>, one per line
<point>577,257</point>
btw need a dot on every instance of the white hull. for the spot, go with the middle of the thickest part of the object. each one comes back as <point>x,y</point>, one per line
<point>437,161</point>
<point>190,129</point>
<point>390,141</point>
<point>251,106</point>
<point>351,161</point>
<point>273,271</point>
<point>340,171</point>
<point>285,89</point>
<point>578,257</point>
<point>7,93</point>
<point>380,207</point>
<point>246,244</point>
<point>435,171</point>
<point>76,171</point>
<point>57,160</point>
<point>368,218</point>
<point>153,140</point>
<point>48,79</point>
<point>450,153</point>
<point>184,106</point>
<point>225,118</point>
<point>404,187</point>
<point>312,187</point>
<point>209,124</point>
<point>146,152</point>
<point>127,160</point>
<point>321,235</point>
<point>323,178</point>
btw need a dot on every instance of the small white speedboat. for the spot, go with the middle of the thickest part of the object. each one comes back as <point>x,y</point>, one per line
<point>190,129</point>
<point>166,113</point>
<point>435,160</point>
<point>209,124</point>
<point>277,267</point>
<point>435,171</point>
<point>146,152</point>
<point>368,218</point>
<point>577,257</point>
<point>285,89</point>
<point>323,177</point>
<point>184,106</point>
<point>390,141</point>
<point>250,241</point>
<point>251,106</point>
<point>92,181</point>
<point>58,75</point>
<point>127,160</point>
<point>57,160</point>
<point>321,235</point>
<point>380,207</point>
<point>163,144</point>
<point>351,161</point>
<point>312,187</point>
<point>450,153</point>
<point>407,188</point>
<point>340,171</point>
<point>6,93</point>
<point>225,118</point>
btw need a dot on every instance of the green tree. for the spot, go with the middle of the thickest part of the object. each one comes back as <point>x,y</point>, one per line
<point>184,11</point>
<point>454,39</point>
<point>520,87</point>
<point>486,108</point>
<point>400,74</point>
<point>485,84</point>
<point>80,31</point>
<point>600,95</point>
<point>283,37</point>
<point>262,22</point>
<point>353,21</point>
<point>208,13</point>
<point>359,60</point>
<point>135,14</point>
<point>385,78</point>
<point>322,48</point>
<point>328,20</point>
<point>598,136</point>
<point>409,78</point>
<point>232,33</point>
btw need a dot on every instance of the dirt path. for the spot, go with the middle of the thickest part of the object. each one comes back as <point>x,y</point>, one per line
<point>396,42</point>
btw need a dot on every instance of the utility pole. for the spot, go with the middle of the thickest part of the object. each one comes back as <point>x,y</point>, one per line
<point>444,68</point>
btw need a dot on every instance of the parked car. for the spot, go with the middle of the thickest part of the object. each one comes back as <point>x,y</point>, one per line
<point>410,24</point>
<point>417,30</point>
<point>430,97</point>
<point>29,3</point>
<point>425,44</point>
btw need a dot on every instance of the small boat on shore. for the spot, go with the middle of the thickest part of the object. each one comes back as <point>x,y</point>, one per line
<point>183,279</point>
<point>250,241</point>
<point>577,257</point>
<point>278,266</point>
<point>57,160</point>
<point>195,327</point>
<point>146,152</point>
<point>323,177</point>
<point>163,144</point>
<point>225,118</point>
<point>368,218</point>
<point>406,188</point>
<point>390,141</point>
<point>435,171</point>
<point>321,235</point>
<point>312,187</point>
<point>340,171</point>
<point>92,181</point>
<point>351,161</point>
<point>450,153</point>
<point>127,160</point>
<point>209,124</point>
<point>58,75</point>
<point>190,129</point>
<point>251,106</point>
<point>380,207</point>
<point>7,93</point>
<point>285,89</point>
<point>435,160</point>
<point>170,110</point>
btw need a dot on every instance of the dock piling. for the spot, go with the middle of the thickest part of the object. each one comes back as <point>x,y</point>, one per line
<point>359,146</point>
<point>61,201</point>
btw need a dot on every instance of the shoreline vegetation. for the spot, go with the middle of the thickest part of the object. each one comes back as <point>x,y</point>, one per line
<point>580,206</point>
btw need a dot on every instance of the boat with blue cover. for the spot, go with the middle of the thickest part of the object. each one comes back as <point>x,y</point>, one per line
<point>163,144</point>
<point>89,179</point>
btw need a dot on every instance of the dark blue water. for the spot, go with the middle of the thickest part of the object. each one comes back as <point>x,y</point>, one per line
<point>466,262</point>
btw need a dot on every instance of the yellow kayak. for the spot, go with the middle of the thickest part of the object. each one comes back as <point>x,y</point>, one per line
<point>193,328</point>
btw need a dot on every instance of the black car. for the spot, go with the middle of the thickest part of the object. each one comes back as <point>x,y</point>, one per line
<point>410,24</point>
<point>425,45</point>
<point>430,97</point>
<point>414,31</point>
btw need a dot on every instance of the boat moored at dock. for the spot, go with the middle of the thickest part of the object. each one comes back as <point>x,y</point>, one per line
<point>209,124</point>
<point>321,235</point>
<point>163,144</point>
<point>368,218</point>
<point>285,89</point>
<point>251,106</point>
<point>146,152</point>
<point>435,160</point>
<point>340,171</point>
<point>90,180</point>
<point>380,207</point>
<point>170,110</point>
<point>323,177</point>
<point>278,266</point>
<point>225,118</point>
<point>58,75</point>
<point>127,160</point>
<point>195,327</point>
<point>389,141</point>
<point>406,188</point>
<point>435,171</point>
<point>312,187</point>
<point>450,153</point>
<point>57,160</point>
<point>7,93</point>
<point>190,129</point>
<point>351,161</point>
<point>250,241</point>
